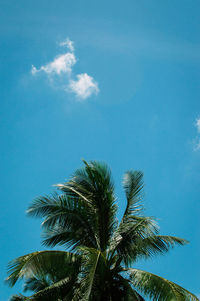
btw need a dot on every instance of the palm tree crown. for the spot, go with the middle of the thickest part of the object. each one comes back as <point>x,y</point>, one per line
<point>100,251</point>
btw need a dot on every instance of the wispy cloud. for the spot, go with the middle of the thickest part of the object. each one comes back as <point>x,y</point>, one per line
<point>142,43</point>
<point>83,86</point>
<point>61,64</point>
<point>67,43</point>
<point>197,139</point>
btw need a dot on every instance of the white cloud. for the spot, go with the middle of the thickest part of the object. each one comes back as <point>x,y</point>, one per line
<point>198,125</point>
<point>197,139</point>
<point>34,70</point>
<point>68,43</point>
<point>61,64</point>
<point>84,86</point>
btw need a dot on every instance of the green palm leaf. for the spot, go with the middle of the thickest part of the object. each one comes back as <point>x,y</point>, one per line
<point>156,244</point>
<point>90,263</point>
<point>93,184</point>
<point>36,284</point>
<point>54,264</point>
<point>133,249</point>
<point>158,288</point>
<point>133,186</point>
<point>18,298</point>
<point>61,290</point>
<point>64,215</point>
<point>129,233</point>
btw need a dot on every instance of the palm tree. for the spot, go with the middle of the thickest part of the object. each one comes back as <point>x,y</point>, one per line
<point>98,263</point>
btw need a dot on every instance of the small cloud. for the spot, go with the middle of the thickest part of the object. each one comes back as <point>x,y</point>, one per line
<point>84,86</point>
<point>197,139</point>
<point>61,64</point>
<point>198,125</point>
<point>34,70</point>
<point>68,43</point>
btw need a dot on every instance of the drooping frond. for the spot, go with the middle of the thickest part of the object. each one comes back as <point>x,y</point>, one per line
<point>158,288</point>
<point>66,213</point>
<point>61,236</point>
<point>54,264</point>
<point>61,290</point>
<point>43,206</point>
<point>155,244</point>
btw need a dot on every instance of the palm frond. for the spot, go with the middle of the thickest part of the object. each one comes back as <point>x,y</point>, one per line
<point>60,211</point>
<point>90,263</point>
<point>36,284</point>
<point>158,288</point>
<point>129,233</point>
<point>42,206</point>
<point>156,244</point>
<point>57,291</point>
<point>41,263</point>
<point>18,298</point>
<point>62,236</point>
<point>127,291</point>
<point>93,184</point>
<point>133,186</point>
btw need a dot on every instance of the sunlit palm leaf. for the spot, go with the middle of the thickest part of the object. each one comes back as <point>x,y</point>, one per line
<point>158,288</point>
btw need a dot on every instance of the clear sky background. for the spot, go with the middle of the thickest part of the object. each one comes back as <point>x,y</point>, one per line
<point>125,92</point>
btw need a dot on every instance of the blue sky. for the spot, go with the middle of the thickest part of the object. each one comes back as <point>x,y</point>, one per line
<point>126,91</point>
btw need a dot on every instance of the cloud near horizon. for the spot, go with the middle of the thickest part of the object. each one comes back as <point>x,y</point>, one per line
<point>83,86</point>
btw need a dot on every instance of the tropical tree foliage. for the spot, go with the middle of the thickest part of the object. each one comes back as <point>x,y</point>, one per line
<point>100,251</point>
